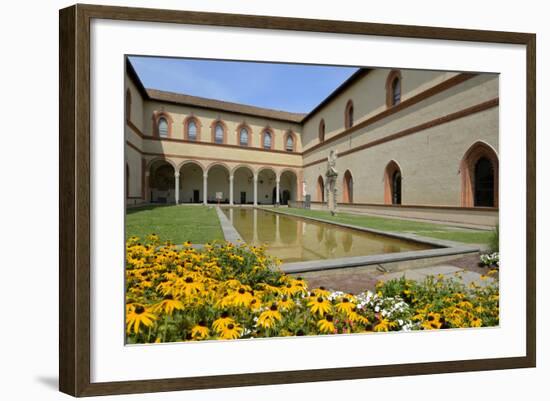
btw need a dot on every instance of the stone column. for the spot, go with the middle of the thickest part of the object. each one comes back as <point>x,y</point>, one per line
<point>277,200</point>
<point>255,190</point>
<point>205,189</point>
<point>177,194</point>
<point>231,190</point>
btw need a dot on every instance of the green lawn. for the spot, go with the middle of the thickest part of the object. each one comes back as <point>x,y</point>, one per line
<point>197,224</point>
<point>407,226</point>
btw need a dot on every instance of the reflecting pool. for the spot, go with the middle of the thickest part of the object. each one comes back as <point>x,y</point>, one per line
<point>293,239</point>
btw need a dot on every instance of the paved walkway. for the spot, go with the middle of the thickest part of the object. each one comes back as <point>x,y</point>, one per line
<point>357,280</point>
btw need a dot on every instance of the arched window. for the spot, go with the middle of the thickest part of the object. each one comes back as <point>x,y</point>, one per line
<point>218,133</point>
<point>163,127</point>
<point>289,143</point>
<point>479,171</point>
<point>267,142</point>
<point>243,137</point>
<point>396,188</point>
<point>192,131</point>
<point>348,187</point>
<point>322,131</point>
<point>392,184</point>
<point>320,189</point>
<point>396,91</point>
<point>393,88</point>
<point>348,118</point>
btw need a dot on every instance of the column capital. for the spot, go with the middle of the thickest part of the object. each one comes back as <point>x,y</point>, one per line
<point>204,175</point>
<point>177,174</point>
<point>231,177</point>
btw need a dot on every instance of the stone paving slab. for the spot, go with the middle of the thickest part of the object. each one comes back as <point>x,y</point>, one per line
<point>467,277</point>
<point>229,232</point>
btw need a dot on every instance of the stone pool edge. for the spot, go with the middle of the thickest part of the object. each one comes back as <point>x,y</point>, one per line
<point>229,232</point>
<point>446,250</point>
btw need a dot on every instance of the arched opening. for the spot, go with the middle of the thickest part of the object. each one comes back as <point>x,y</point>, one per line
<point>243,185</point>
<point>266,181</point>
<point>479,171</point>
<point>392,184</point>
<point>218,132</point>
<point>320,189</point>
<point>218,184</point>
<point>191,183</point>
<point>349,114</point>
<point>322,130</point>
<point>267,140</point>
<point>288,187</point>
<point>162,124</point>
<point>161,182</point>
<point>192,129</point>
<point>393,88</point>
<point>347,192</point>
<point>290,142</point>
<point>243,135</point>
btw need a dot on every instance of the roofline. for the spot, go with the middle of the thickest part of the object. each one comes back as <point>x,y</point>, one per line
<point>360,73</point>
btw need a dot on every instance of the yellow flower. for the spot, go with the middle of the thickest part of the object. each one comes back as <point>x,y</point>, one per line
<point>137,316</point>
<point>384,325</point>
<point>345,306</point>
<point>476,322</point>
<point>321,292</point>
<point>200,331</point>
<point>286,303</point>
<point>168,305</point>
<point>326,325</point>
<point>269,317</point>
<point>432,322</point>
<point>242,297</point>
<point>231,331</point>
<point>220,323</point>
<point>319,305</point>
<point>353,316</point>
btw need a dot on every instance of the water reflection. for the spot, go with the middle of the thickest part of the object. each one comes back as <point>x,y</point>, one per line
<point>294,239</point>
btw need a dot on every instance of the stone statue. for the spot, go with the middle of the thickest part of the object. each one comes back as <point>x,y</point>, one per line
<point>331,176</point>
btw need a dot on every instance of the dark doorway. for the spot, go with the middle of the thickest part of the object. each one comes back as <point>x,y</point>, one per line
<point>396,188</point>
<point>196,196</point>
<point>484,183</point>
<point>243,198</point>
<point>286,197</point>
<point>274,196</point>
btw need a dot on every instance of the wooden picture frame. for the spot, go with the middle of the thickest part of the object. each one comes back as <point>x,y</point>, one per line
<point>74,205</point>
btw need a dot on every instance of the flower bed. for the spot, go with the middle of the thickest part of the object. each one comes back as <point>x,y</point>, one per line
<point>228,291</point>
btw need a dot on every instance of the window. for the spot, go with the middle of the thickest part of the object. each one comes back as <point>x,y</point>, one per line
<point>484,183</point>
<point>267,140</point>
<point>192,131</point>
<point>163,127</point>
<point>396,188</point>
<point>289,144</point>
<point>393,88</point>
<point>349,115</point>
<point>243,137</point>
<point>218,133</point>
<point>322,131</point>
<point>396,91</point>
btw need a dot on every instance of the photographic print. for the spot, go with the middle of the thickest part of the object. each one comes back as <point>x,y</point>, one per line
<point>286,200</point>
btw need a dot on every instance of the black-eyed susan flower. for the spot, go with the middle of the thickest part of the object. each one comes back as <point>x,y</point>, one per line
<point>326,325</point>
<point>319,305</point>
<point>269,317</point>
<point>385,325</point>
<point>168,305</point>
<point>200,331</point>
<point>220,323</point>
<point>345,305</point>
<point>286,303</point>
<point>231,331</point>
<point>137,316</point>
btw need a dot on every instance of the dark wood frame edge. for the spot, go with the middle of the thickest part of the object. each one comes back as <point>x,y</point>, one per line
<point>74,199</point>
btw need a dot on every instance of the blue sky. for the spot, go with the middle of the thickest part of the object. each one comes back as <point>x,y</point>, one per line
<point>289,87</point>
